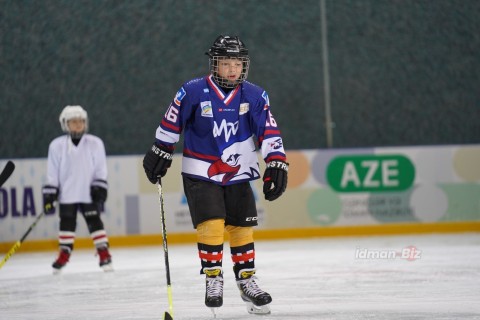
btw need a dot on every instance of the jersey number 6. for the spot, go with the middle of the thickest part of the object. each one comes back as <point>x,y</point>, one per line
<point>172,114</point>
<point>270,120</point>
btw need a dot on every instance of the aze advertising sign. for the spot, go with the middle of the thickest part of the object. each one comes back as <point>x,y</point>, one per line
<point>373,185</point>
<point>370,173</point>
<point>347,187</point>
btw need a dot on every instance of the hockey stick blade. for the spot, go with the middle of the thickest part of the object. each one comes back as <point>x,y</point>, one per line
<point>7,172</point>
<point>17,244</point>
<point>167,316</point>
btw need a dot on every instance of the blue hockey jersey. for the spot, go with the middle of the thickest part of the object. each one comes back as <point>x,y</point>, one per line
<point>220,131</point>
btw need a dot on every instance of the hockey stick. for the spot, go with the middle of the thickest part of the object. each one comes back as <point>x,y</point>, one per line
<point>166,316</point>
<point>19,242</point>
<point>7,172</point>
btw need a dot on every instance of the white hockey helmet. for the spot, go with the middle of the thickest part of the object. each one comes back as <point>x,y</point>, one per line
<point>72,112</point>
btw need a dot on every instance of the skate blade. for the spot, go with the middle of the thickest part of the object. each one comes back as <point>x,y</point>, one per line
<point>56,271</point>
<point>260,310</point>
<point>214,311</point>
<point>107,267</point>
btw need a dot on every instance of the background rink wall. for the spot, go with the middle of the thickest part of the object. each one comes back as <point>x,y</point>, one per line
<point>402,72</point>
<point>330,192</point>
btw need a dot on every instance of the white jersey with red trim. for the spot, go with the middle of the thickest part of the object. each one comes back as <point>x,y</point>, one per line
<point>72,168</point>
<point>220,130</point>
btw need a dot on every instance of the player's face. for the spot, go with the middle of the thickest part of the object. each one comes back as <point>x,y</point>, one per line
<point>230,69</point>
<point>76,125</point>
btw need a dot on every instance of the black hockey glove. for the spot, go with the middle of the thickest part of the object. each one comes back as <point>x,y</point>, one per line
<point>156,162</point>
<point>99,192</point>
<point>50,196</point>
<point>275,179</point>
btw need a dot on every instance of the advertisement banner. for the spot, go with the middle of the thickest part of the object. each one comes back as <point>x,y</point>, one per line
<point>335,187</point>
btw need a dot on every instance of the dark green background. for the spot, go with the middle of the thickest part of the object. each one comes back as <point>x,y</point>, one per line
<point>402,72</point>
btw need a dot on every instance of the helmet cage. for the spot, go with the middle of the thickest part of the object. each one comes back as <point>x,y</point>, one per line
<point>228,47</point>
<point>73,112</point>
<point>225,83</point>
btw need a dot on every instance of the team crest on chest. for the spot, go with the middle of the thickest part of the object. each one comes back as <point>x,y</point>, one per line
<point>244,108</point>
<point>206,107</point>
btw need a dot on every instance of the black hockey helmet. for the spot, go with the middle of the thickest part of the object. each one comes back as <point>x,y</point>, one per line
<point>228,47</point>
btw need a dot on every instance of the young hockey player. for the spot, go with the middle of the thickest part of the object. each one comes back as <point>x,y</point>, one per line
<point>220,115</point>
<point>77,179</point>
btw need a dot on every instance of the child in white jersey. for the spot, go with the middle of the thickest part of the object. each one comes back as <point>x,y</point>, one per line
<point>77,180</point>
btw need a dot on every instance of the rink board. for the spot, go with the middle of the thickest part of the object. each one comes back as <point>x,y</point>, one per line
<point>330,192</point>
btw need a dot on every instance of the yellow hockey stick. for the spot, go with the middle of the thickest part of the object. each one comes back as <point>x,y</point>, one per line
<point>167,315</point>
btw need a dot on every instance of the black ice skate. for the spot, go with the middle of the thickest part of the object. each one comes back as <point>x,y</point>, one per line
<point>105,259</point>
<point>63,257</point>
<point>256,299</point>
<point>214,288</point>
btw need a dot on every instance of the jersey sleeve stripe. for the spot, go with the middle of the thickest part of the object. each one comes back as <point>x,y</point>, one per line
<point>271,132</point>
<point>172,127</point>
<point>280,157</point>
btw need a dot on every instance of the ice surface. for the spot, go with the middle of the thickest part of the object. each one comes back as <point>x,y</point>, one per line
<point>324,278</point>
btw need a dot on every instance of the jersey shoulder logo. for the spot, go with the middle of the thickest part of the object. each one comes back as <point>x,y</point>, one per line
<point>179,96</point>
<point>265,96</point>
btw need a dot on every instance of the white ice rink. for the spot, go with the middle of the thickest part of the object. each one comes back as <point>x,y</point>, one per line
<point>326,278</point>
